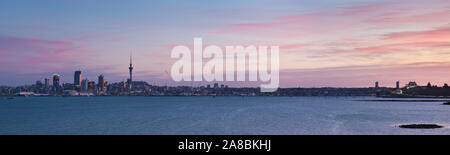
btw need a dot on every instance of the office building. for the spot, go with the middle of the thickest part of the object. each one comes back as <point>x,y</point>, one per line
<point>101,83</point>
<point>77,78</point>
<point>56,81</point>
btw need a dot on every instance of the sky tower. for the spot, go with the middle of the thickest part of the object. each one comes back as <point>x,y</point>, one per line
<point>131,73</point>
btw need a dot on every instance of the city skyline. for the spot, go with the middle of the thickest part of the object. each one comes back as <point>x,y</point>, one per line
<point>78,75</point>
<point>78,82</point>
<point>329,43</point>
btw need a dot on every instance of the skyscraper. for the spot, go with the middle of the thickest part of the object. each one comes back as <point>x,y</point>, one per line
<point>91,85</point>
<point>47,83</point>
<point>84,85</point>
<point>56,79</point>
<point>130,80</point>
<point>397,84</point>
<point>39,84</point>
<point>101,82</point>
<point>376,84</point>
<point>77,79</point>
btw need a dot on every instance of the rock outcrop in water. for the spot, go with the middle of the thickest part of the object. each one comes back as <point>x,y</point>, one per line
<point>421,126</point>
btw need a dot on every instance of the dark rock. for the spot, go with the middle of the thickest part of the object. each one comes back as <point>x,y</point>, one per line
<point>421,126</point>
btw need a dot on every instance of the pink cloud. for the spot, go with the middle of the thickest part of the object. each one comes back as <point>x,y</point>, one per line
<point>44,59</point>
<point>396,47</point>
<point>169,47</point>
<point>158,55</point>
<point>35,53</point>
<point>293,46</point>
<point>367,8</point>
<point>307,22</point>
<point>435,34</point>
<point>400,18</point>
<point>375,49</point>
<point>16,43</point>
<point>349,18</point>
<point>408,41</point>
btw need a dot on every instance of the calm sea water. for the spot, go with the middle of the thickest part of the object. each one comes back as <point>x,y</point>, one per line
<point>219,115</point>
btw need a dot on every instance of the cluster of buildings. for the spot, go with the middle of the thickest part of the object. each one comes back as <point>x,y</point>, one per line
<point>101,87</point>
<point>79,87</point>
<point>411,84</point>
<point>412,89</point>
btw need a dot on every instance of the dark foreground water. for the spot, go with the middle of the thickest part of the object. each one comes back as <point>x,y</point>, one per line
<point>219,115</point>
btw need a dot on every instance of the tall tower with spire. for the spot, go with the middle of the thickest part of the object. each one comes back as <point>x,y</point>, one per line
<point>130,80</point>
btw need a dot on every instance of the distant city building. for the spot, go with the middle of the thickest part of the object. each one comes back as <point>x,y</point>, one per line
<point>84,85</point>
<point>106,85</point>
<point>39,84</point>
<point>70,92</point>
<point>397,92</point>
<point>47,83</point>
<point>56,80</point>
<point>68,86</point>
<point>91,85</point>
<point>208,86</point>
<point>101,83</point>
<point>216,85</point>
<point>411,85</point>
<point>77,78</point>
<point>397,84</point>
<point>376,85</point>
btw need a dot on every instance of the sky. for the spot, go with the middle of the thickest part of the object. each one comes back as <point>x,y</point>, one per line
<point>327,43</point>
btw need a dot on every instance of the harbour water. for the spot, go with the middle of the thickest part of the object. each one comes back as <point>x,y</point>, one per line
<point>217,115</point>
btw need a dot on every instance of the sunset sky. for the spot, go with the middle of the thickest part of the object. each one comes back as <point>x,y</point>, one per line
<point>326,43</point>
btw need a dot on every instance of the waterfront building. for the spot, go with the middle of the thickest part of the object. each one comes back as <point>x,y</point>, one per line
<point>68,86</point>
<point>56,80</point>
<point>91,86</point>
<point>216,85</point>
<point>397,92</point>
<point>39,84</point>
<point>411,85</point>
<point>46,83</point>
<point>101,83</point>
<point>70,92</point>
<point>77,78</point>
<point>106,87</point>
<point>84,85</point>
